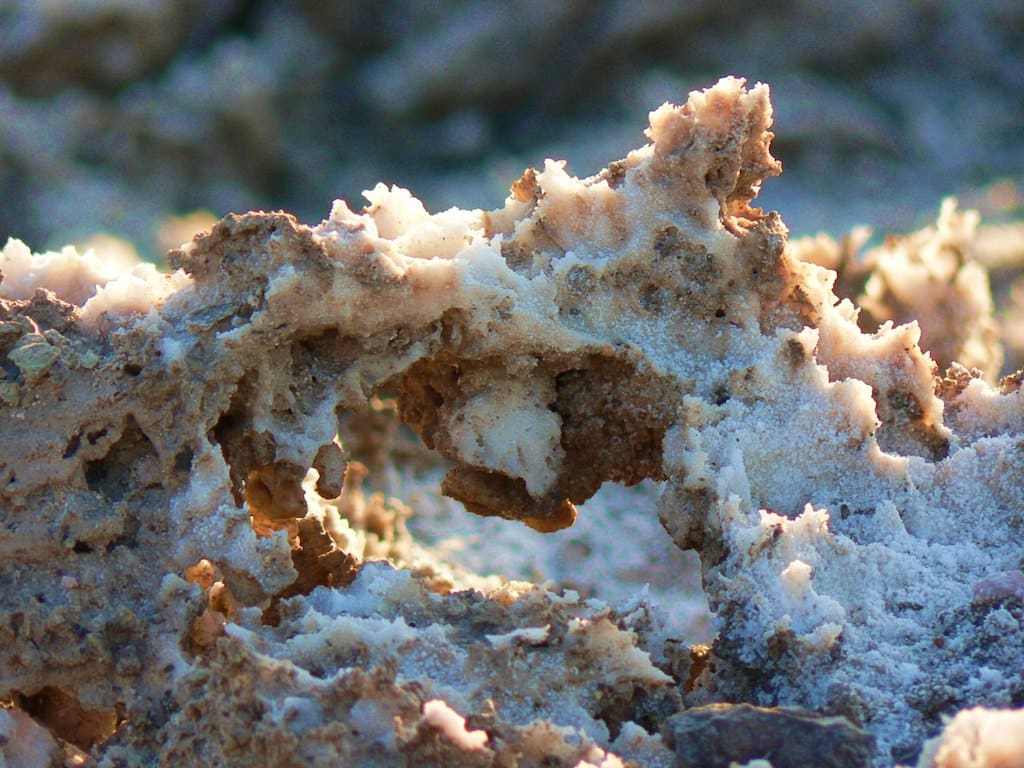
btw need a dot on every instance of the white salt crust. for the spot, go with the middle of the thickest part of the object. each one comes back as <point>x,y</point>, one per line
<point>858,517</point>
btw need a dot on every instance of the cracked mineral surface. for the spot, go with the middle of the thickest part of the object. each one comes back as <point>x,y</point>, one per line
<point>193,571</point>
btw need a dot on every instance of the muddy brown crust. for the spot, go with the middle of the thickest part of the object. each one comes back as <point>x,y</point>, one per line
<point>598,432</point>
<point>613,419</point>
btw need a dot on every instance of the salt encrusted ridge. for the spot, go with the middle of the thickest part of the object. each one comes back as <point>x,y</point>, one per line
<point>646,322</point>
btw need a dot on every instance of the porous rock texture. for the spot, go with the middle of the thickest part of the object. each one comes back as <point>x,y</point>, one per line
<point>192,570</point>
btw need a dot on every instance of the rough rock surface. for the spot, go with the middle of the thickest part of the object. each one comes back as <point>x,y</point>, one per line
<point>787,737</point>
<point>187,560</point>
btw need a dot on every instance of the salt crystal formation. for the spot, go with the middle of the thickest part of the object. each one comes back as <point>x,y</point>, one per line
<point>189,567</point>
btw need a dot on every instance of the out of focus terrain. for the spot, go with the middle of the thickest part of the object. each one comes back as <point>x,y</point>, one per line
<point>116,114</point>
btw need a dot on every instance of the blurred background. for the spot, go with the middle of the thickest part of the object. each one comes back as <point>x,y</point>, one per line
<point>118,116</point>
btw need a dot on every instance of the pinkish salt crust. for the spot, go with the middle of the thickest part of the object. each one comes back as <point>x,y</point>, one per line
<point>187,549</point>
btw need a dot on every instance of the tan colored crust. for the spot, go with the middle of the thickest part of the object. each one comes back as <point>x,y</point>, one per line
<point>175,565</point>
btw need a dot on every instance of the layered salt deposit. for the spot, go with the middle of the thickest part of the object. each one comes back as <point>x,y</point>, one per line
<point>191,561</point>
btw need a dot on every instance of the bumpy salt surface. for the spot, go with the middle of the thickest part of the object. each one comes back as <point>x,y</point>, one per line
<point>108,282</point>
<point>857,517</point>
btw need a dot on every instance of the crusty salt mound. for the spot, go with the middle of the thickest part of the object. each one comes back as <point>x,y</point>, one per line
<point>193,572</point>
